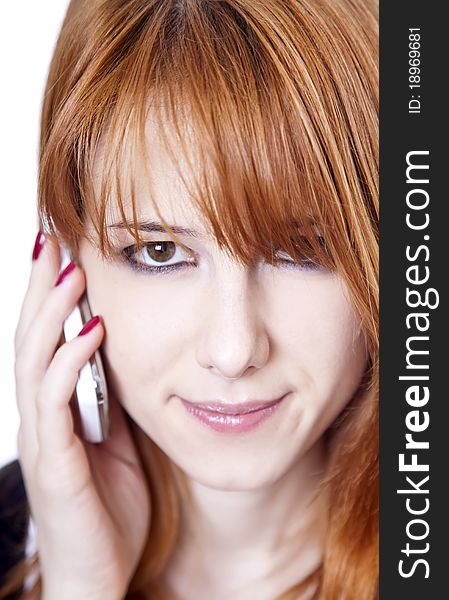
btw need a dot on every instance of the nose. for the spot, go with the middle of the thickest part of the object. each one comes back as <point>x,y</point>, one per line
<point>234,339</point>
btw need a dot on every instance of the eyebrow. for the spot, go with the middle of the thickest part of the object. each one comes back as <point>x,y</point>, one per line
<point>156,226</point>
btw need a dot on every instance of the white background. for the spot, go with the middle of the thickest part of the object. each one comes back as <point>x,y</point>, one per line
<point>29,32</point>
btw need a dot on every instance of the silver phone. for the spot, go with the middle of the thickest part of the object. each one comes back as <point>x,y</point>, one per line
<point>91,391</point>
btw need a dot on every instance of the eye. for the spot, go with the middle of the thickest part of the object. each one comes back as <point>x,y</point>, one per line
<point>166,256</point>
<point>310,260</point>
<point>156,257</point>
<point>308,264</point>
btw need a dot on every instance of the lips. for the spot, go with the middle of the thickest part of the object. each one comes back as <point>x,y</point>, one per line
<point>238,408</point>
<point>232,418</point>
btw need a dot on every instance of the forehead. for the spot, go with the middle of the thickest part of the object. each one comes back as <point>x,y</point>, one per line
<point>162,172</point>
<point>181,173</point>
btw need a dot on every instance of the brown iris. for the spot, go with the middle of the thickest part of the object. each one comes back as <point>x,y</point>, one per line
<point>160,251</point>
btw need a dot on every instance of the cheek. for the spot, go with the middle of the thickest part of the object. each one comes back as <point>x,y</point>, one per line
<point>146,328</point>
<point>324,348</point>
<point>321,335</point>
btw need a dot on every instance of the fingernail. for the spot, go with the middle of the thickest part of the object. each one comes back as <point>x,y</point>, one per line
<point>89,325</point>
<point>38,245</point>
<point>69,268</point>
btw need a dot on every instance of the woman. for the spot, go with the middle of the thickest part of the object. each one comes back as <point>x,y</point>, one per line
<point>213,167</point>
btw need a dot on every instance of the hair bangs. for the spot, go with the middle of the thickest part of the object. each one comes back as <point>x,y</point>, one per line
<point>261,170</point>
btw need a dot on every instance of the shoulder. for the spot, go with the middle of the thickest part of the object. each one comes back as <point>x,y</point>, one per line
<point>14,516</point>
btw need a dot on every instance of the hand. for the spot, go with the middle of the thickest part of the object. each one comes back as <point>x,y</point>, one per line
<point>89,502</point>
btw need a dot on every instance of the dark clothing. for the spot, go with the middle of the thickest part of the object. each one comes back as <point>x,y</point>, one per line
<point>14,517</point>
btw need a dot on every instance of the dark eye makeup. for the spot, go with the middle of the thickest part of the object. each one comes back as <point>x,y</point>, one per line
<point>154,252</point>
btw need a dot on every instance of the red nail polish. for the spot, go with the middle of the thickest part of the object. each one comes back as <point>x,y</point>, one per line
<point>69,268</point>
<point>89,325</point>
<point>38,245</point>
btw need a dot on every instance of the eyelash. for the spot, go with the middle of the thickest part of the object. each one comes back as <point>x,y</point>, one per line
<point>129,251</point>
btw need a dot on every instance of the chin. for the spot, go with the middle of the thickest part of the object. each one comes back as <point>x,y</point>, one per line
<point>235,477</point>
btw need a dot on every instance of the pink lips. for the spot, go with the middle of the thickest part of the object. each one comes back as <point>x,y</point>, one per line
<point>232,418</point>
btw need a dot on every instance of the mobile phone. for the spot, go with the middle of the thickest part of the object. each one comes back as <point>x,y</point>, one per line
<point>91,394</point>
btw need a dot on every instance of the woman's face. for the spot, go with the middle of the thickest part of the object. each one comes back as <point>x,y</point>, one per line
<point>218,331</point>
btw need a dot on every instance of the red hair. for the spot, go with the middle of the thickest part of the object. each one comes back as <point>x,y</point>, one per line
<point>282,98</point>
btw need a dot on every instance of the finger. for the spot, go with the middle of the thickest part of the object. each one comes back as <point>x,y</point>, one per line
<point>55,431</point>
<point>36,353</point>
<point>38,345</point>
<point>43,274</point>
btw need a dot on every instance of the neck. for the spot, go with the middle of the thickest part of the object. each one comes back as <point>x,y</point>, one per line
<point>271,536</point>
